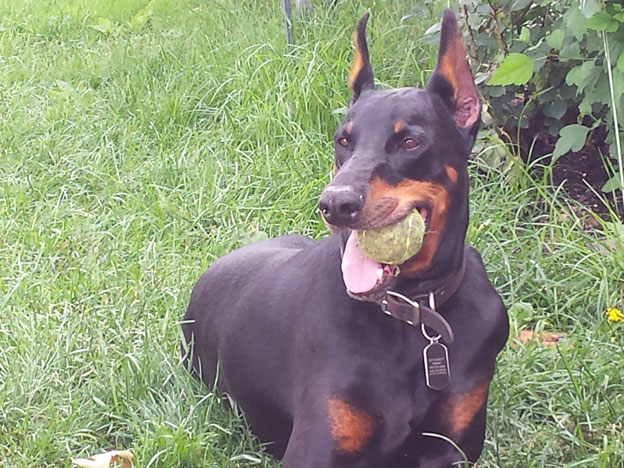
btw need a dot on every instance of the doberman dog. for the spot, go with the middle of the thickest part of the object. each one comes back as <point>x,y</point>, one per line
<point>339,361</point>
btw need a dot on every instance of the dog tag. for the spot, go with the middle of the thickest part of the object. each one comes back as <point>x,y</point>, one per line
<point>437,371</point>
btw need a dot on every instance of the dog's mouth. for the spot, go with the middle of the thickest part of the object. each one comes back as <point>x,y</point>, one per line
<point>367,279</point>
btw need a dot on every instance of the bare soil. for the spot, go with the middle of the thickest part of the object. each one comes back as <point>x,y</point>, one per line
<point>582,173</point>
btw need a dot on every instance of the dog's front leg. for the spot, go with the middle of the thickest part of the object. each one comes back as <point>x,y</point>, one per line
<point>310,446</point>
<point>457,445</point>
<point>333,432</point>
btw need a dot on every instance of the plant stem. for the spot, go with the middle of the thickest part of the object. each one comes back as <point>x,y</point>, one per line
<point>497,27</point>
<point>616,125</point>
<point>471,34</point>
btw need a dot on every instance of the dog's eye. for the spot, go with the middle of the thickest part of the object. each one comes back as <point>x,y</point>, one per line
<point>409,143</point>
<point>343,142</point>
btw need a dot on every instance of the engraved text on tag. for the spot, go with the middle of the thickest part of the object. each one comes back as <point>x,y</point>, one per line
<point>437,372</point>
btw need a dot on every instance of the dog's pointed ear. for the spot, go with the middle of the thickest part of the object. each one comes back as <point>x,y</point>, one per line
<point>361,73</point>
<point>452,79</point>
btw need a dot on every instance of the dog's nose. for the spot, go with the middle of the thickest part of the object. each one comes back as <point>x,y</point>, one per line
<point>341,205</point>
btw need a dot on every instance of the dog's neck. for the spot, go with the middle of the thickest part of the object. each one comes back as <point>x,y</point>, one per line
<point>443,286</point>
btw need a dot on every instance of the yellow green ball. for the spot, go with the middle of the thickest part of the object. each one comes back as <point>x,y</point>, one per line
<point>396,243</point>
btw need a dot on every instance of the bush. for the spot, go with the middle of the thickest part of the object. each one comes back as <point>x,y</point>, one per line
<point>552,71</point>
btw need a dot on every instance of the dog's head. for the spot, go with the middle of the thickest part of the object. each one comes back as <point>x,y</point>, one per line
<point>400,150</point>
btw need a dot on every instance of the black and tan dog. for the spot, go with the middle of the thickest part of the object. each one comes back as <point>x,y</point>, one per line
<point>339,361</point>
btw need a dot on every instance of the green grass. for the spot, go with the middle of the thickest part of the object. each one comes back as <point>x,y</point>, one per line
<point>136,149</point>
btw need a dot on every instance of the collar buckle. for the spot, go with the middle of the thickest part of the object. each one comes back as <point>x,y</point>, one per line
<point>422,309</point>
<point>414,313</point>
<point>399,306</point>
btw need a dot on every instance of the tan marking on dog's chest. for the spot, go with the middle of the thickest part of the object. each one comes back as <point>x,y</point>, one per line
<point>462,408</point>
<point>350,427</point>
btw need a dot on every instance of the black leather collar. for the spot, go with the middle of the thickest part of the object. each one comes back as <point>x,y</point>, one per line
<point>422,308</point>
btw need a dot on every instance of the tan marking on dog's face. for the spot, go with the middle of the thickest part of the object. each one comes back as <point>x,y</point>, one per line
<point>349,127</point>
<point>350,427</point>
<point>451,173</point>
<point>399,125</point>
<point>406,195</point>
<point>462,408</point>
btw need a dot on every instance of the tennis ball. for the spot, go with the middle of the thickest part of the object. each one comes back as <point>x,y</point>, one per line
<point>396,243</point>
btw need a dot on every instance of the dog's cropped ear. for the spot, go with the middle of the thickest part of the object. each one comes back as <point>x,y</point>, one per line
<point>361,73</point>
<point>452,79</point>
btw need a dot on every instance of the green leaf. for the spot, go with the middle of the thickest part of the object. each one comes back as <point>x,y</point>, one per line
<point>141,18</point>
<point>595,94</point>
<point>599,91</point>
<point>570,51</point>
<point>495,91</point>
<point>584,107</point>
<point>253,236</point>
<point>574,22</point>
<point>579,75</point>
<point>525,36</point>
<point>522,311</point>
<point>571,138</point>
<point>602,21</point>
<point>620,62</point>
<point>553,127</point>
<point>556,109</point>
<point>618,92</point>
<point>617,229</point>
<point>515,69</point>
<point>555,39</point>
<point>520,4</point>
<point>590,7</point>
<point>612,184</point>
<point>104,25</point>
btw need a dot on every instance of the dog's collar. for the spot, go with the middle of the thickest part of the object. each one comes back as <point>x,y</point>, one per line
<point>421,309</point>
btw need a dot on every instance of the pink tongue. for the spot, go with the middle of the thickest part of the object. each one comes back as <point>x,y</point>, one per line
<point>358,271</point>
